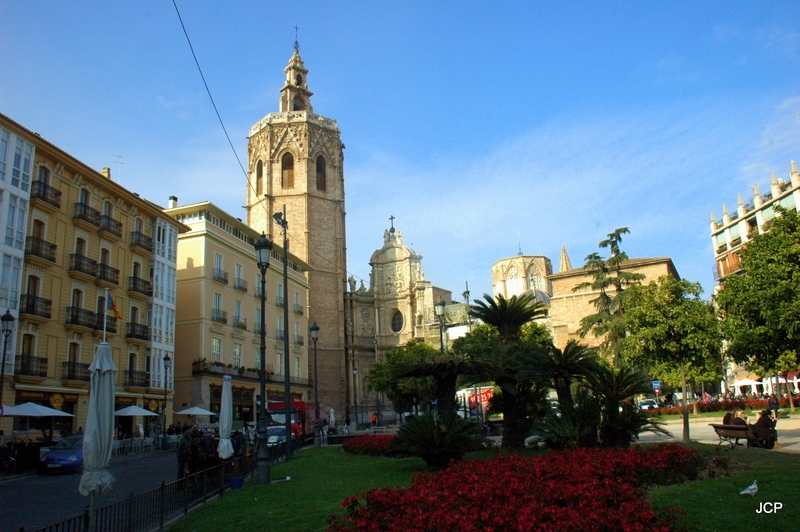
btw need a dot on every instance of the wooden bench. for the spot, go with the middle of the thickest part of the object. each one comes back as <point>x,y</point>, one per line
<point>730,433</point>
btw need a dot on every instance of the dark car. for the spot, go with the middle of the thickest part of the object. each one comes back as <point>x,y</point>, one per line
<point>66,455</point>
<point>276,435</point>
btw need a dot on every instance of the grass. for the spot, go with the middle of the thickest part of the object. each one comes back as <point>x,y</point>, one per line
<point>321,479</point>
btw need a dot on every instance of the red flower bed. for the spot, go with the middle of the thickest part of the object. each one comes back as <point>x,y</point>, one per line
<point>584,489</point>
<point>373,445</point>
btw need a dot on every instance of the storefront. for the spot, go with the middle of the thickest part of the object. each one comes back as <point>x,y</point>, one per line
<point>61,426</point>
<point>242,403</point>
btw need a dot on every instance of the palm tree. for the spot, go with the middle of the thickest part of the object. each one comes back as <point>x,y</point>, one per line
<point>445,370</point>
<point>507,315</point>
<point>562,367</point>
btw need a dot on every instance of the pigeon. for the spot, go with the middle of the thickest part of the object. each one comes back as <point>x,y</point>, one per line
<point>751,490</point>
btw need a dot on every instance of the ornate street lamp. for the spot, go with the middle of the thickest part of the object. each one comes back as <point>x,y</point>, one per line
<point>314,337</point>
<point>355,392</point>
<point>263,249</point>
<point>167,365</point>
<point>280,219</point>
<point>438,308</point>
<point>7,320</point>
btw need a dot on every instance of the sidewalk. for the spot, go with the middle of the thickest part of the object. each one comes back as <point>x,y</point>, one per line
<point>788,428</point>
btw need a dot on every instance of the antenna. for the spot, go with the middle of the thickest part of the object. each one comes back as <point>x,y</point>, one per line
<point>120,163</point>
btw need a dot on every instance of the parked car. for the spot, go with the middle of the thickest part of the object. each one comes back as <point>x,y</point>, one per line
<point>276,435</point>
<point>648,404</point>
<point>66,455</point>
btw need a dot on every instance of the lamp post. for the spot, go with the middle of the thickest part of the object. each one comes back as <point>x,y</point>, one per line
<point>167,365</point>
<point>355,392</point>
<point>280,218</point>
<point>263,249</point>
<point>439,310</point>
<point>7,321</point>
<point>317,435</point>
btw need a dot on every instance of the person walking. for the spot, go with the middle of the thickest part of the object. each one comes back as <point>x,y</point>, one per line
<point>183,447</point>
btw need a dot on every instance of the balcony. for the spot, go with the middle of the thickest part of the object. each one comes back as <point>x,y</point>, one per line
<point>257,328</point>
<point>279,301</point>
<point>40,252</point>
<point>141,242</point>
<point>45,197</point>
<point>219,316</point>
<point>137,331</point>
<point>221,276</point>
<point>107,276</point>
<point>736,242</point>
<point>298,308</point>
<point>86,217</point>
<point>75,371</point>
<point>139,288</point>
<point>258,291</point>
<point>299,340</point>
<point>240,284</point>
<point>110,228</point>
<point>280,335</point>
<point>240,323</point>
<point>110,323</point>
<point>35,309</point>
<point>83,268</point>
<point>135,379</point>
<point>30,368</point>
<point>80,320</point>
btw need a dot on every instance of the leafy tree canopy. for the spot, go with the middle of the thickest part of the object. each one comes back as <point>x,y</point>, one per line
<point>406,393</point>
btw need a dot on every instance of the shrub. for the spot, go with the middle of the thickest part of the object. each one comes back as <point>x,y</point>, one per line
<point>372,445</point>
<point>439,441</point>
<point>583,489</point>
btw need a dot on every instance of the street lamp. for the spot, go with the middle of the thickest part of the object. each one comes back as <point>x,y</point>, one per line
<point>314,337</point>
<point>167,364</point>
<point>280,219</point>
<point>7,320</point>
<point>439,310</point>
<point>355,392</point>
<point>263,249</point>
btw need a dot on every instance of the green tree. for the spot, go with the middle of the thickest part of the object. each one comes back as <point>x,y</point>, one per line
<point>563,367</point>
<point>669,326</point>
<point>760,307</point>
<point>405,393</point>
<point>610,280</point>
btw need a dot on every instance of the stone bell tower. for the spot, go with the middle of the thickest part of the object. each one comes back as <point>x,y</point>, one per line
<point>295,159</point>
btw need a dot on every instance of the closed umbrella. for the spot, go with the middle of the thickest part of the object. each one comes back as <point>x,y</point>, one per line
<point>225,449</point>
<point>98,436</point>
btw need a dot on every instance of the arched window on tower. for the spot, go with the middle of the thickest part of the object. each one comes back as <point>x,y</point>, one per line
<point>259,179</point>
<point>535,279</point>
<point>322,178</point>
<point>298,104</point>
<point>513,283</point>
<point>287,171</point>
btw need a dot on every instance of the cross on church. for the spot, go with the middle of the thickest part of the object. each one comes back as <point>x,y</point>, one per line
<point>391,219</point>
<point>296,44</point>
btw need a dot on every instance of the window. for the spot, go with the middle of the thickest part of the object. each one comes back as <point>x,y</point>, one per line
<point>43,175</point>
<point>322,179</point>
<point>74,352</point>
<point>216,349</point>
<point>534,279</point>
<point>17,217</point>
<point>217,301</point>
<point>21,168</point>
<point>10,281</point>
<point>236,360</point>
<point>397,321</point>
<point>298,104</point>
<point>297,372</point>
<point>287,171</point>
<point>513,283</point>
<point>257,325</point>
<point>84,196</point>
<point>4,139</point>
<point>279,363</point>
<point>279,331</point>
<point>279,295</point>
<point>237,311</point>
<point>259,179</point>
<point>217,261</point>
<point>28,345</point>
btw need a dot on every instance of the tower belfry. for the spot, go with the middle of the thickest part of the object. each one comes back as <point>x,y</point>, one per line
<point>295,158</point>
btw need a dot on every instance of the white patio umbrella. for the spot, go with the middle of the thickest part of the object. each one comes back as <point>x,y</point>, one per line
<point>98,436</point>
<point>196,411</point>
<point>225,449</point>
<point>134,410</point>
<point>34,410</point>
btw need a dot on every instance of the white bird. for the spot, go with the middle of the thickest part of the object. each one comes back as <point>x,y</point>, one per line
<point>751,490</point>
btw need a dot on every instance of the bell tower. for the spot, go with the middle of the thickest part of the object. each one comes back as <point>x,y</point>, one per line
<point>295,159</point>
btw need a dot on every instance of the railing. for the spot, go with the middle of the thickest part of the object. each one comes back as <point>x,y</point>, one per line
<point>298,308</point>
<point>155,509</point>
<point>140,285</point>
<point>257,328</point>
<point>279,300</point>
<point>107,273</point>
<point>30,366</point>
<point>40,248</point>
<point>280,335</point>
<point>110,323</point>
<point>220,275</point>
<point>86,213</point>
<point>75,371</point>
<point>258,291</point>
<point>240,323</point>
<point>220,316</point>
<point>81,317</point>
<point>43,191</point>
<point>141,240</point>
<point>299,340</point>
<point>136,378</point>
<point>137,330</point>
<point>110,225</point>
<point>240,284</point>
<point>37,306</point>
<point>82,264</point>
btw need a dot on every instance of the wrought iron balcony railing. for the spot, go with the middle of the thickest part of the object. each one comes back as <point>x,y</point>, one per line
<point>43,191</point>
<point>40,248</point>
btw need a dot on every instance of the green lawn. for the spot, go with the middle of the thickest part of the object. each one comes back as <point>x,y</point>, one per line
<point>321,479</point>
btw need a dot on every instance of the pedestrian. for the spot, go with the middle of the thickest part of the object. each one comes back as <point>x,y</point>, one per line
<point>183,447</point>
<point>374,419</point>
<point>774,405</point>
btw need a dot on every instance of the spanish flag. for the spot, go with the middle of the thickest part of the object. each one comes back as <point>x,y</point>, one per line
<point>110,305</point>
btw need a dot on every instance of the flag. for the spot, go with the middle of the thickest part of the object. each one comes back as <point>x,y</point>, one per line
<point>110,305</point>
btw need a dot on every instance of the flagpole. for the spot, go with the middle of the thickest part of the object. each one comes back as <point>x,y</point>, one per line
<point>105,314</point>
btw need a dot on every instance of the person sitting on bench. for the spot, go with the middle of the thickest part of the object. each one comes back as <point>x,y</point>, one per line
<point>737,418</point>
<point>764,431</point>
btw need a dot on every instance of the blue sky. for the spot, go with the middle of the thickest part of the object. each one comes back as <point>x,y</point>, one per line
<point>483,127</point>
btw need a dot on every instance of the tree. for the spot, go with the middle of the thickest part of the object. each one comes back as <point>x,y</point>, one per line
<point>610,280</point>
<point>507,315</point>
<point>405,393</point>
<point>670,326</point>
<point>760,308</point>
<point>562,367</point>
